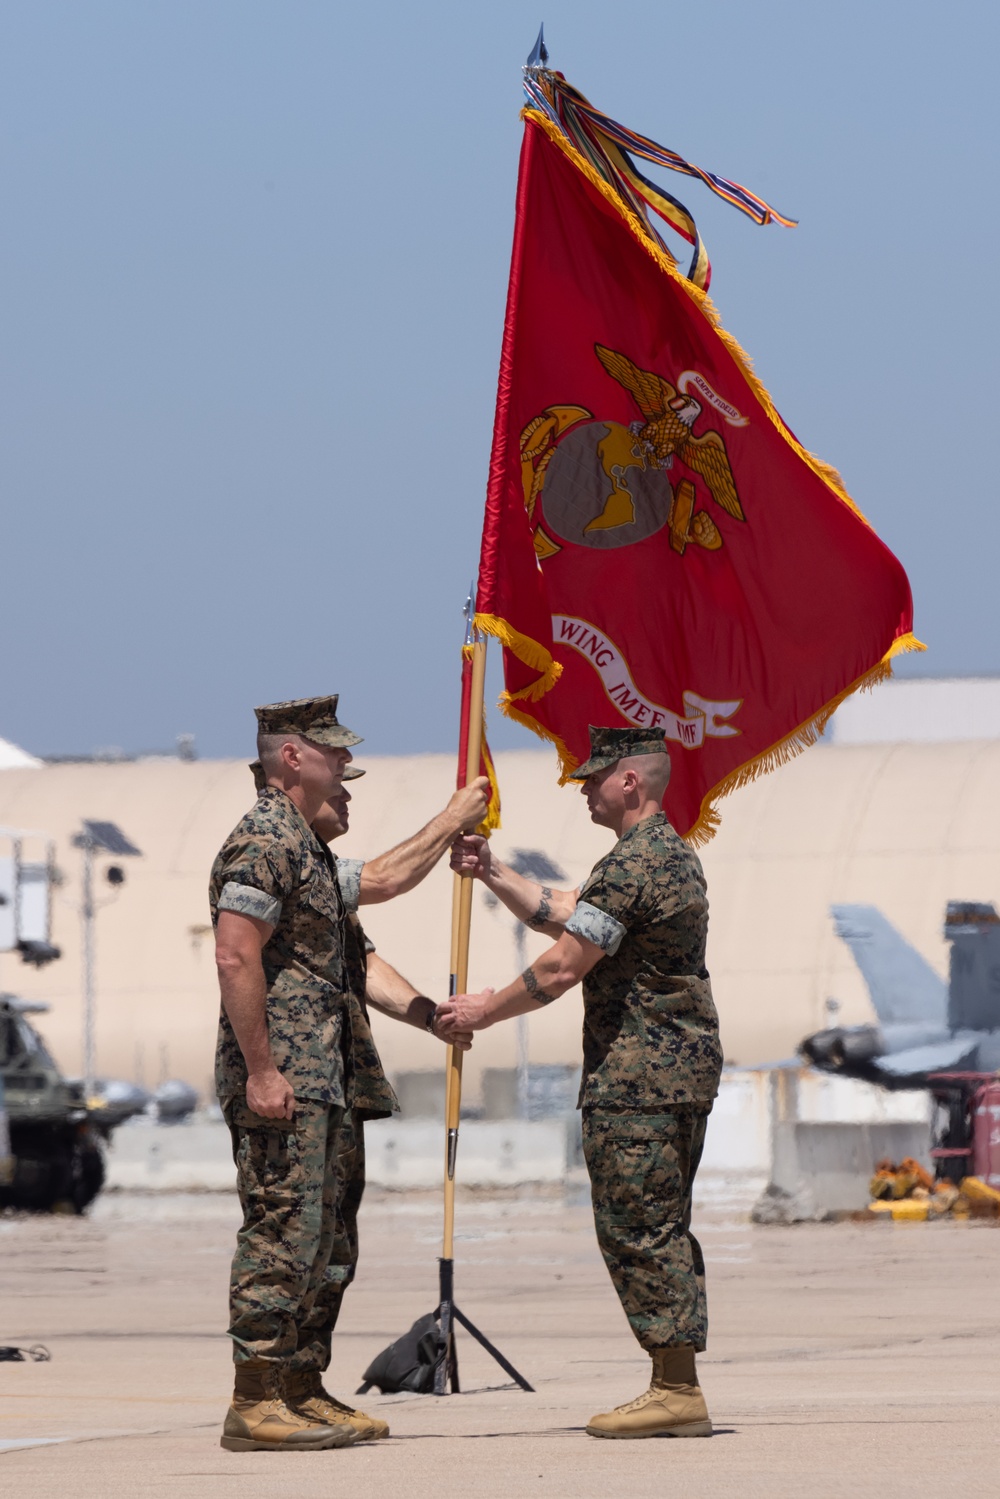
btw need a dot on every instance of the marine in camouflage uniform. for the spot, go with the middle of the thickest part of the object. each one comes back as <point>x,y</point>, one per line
<point>371,1094</point>
<point>273,869</point>
<point>651,1065</point>
<point>372,1098</point>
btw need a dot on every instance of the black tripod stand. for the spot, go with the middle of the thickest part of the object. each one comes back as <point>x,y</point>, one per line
<point>448,1314</point>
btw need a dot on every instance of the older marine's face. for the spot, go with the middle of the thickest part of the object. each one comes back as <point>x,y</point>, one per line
<point>333,817</point>
<point>321,767</point>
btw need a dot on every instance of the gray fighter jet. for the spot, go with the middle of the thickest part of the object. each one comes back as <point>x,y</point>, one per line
<point>924,1025</point>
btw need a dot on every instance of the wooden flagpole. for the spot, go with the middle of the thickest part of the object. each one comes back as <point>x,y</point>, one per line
<point>461,922</point>
<point>448,1313</point>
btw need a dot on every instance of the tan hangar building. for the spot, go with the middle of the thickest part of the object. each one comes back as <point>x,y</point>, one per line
<point>905,827</point>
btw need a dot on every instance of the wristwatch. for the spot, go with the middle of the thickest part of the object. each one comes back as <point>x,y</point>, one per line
<point>431,1013</point>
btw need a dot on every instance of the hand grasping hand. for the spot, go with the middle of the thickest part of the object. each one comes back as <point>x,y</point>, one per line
<point>462,1013</point>
<point>459,1038</point>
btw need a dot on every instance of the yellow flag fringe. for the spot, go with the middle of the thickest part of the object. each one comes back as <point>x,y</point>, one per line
<point>531,652</point>
<point>793,744</point>
<point>491,821</point>
<point>567,760</point>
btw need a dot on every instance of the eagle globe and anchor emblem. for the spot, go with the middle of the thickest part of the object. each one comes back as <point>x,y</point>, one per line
<point>607,485</point>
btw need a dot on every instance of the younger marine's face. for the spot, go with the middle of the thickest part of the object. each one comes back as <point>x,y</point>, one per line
<point>333,817</point>
<point>604,796</point>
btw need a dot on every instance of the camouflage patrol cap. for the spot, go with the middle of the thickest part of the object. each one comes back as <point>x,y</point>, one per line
<point>351,773</point>
<point>607,746</point>
<point>314,718</point>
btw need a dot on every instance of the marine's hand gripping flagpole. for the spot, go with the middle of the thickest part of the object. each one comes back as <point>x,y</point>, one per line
<point>471,736</point>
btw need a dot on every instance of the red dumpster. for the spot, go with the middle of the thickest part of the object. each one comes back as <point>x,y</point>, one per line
<point>986,1134</point>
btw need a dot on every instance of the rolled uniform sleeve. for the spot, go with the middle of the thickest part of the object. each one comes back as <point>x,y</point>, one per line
<point>247,901</point>
<point>596,926</point>
<point>349,880</point>
<point>257,876</point>
<point>610,903</point>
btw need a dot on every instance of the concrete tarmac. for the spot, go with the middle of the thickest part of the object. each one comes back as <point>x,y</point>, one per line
<point>844,1359</point>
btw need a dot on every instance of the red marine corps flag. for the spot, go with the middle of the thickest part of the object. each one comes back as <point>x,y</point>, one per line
<point>659,549</point>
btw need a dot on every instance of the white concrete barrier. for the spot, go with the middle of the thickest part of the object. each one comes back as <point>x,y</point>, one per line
<point>196,1155</point>
<point>827,1134</point>
<point>738,1137</point>
<point>809,1138</point>
<point>491,1153</point>
<point>814,1138</point>
<point>193,1156</point>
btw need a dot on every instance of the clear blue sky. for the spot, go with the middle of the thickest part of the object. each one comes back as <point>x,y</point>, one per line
<point>254,260</point>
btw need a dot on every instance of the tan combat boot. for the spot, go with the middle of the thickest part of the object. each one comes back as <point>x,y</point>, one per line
<point>673,1406</point>
<point>305,1393</point>
<point>260,1421</point>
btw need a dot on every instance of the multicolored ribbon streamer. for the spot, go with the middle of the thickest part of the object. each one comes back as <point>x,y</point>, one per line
<point>606,145</point>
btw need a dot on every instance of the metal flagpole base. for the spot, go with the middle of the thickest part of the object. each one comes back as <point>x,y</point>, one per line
<point>447,1369</point>
<point>448,1314</point>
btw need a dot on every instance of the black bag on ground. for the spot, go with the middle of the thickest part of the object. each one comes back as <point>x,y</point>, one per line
<point>37,1353</point>
<point>409,1363</point>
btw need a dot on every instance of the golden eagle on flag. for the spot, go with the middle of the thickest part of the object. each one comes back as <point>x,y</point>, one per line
<point>659,550</point>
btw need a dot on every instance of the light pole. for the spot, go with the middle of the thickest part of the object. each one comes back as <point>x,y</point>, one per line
<point>87,919</point>
<point>108,838</point>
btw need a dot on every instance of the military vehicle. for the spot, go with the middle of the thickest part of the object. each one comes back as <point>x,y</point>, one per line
<point>56,1158</point>
<point>51,1133</point>
<point>925,1027</point>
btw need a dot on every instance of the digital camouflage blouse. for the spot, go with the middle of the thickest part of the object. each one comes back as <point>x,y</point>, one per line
<point>272,866</point>
<point>650,1028</point>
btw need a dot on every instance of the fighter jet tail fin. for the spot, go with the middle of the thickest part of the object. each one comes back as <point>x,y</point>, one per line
<point>902,984</point>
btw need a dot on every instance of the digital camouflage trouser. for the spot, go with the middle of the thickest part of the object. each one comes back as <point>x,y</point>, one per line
<point>286,1175</point>
<point>642,1169</point>
<point>316,1331</point>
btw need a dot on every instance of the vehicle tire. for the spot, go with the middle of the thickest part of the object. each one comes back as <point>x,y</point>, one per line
<point>88,1174</point>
